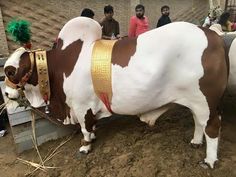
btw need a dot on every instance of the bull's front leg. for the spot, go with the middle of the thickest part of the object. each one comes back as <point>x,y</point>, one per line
<point>86,142</point>
<point>87,128</point>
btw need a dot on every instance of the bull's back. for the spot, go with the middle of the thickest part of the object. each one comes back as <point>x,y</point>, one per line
<point>166,61</point>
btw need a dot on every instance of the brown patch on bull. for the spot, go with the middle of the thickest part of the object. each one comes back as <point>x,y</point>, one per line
<point>123,50</point>
<point>90,120</point>
<point>213,126</point>
<point>213,61</point>
<point>60,62</point>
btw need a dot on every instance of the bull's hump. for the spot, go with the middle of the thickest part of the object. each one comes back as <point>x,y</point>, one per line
<point>122,51</point>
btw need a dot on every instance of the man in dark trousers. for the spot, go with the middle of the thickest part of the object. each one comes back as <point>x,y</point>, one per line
<point>164,19</point>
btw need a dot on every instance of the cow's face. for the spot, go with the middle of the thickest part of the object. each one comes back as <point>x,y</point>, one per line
<point>14,73</point>
<point>18,73</point>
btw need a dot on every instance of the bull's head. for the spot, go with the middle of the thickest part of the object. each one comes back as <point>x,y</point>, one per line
<point>18,70</point>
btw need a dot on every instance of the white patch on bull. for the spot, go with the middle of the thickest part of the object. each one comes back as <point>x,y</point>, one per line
<point>165,68</point>
<point>92,136</point>
<point>85,149</point>
<point>32,93</point>
<point>103,113</point>
<point>72,121</point>
<point>82,28</point>
<point>151,116</point>
<point>212,148</point>
<point>94,127</point>
<point>73,117</point>
<point>14,58</point>
<point>67,121</point>
<point>232,70</point>
<point>12,93</point>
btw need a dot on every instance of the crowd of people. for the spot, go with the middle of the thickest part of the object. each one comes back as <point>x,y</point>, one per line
<point>223,22</point>
<point>138,23</point>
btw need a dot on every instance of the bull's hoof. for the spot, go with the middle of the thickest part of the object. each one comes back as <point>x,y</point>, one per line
<point>85,149</point>
<point>204,165</point>
<point>84,152</point>
<point>208,165</point>
<point>196,146</point>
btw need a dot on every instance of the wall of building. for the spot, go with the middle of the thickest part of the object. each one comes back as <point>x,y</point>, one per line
<point>48,16</point>
<point>3,40</point>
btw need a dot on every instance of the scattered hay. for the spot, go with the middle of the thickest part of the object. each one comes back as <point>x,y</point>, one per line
<point>23,102</point>
<point>41,166</point>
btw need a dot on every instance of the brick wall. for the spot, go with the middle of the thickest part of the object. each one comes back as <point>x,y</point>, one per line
<point>48,16</point>
<point>3,41</point>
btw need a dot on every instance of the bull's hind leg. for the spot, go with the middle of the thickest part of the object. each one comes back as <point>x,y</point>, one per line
<point>212,132</point>
<point>200,110</point>
<point>201,114</point>
<point>208,126</point>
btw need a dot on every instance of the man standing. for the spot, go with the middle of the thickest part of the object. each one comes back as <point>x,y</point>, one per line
<point>165,19</point>
<point>110,27</point>
<point>139,23</point>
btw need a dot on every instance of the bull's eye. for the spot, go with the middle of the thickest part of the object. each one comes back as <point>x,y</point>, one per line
<point>10,71</point>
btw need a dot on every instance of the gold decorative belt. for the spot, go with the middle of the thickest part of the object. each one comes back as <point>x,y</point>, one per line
<point>43,78</point>
<point>101,70</point>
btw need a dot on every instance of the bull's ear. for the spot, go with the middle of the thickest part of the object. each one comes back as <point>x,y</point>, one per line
<point>10,71</point>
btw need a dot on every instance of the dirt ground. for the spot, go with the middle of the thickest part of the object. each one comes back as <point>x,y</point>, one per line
<point>126,147</point>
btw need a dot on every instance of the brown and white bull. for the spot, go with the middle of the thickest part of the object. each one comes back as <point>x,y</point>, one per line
<point>179,63</point>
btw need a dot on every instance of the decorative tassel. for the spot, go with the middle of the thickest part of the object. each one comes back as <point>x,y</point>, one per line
<point>19,30</point>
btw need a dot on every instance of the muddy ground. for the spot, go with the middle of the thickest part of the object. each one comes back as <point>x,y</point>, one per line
<point>126,147</point>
